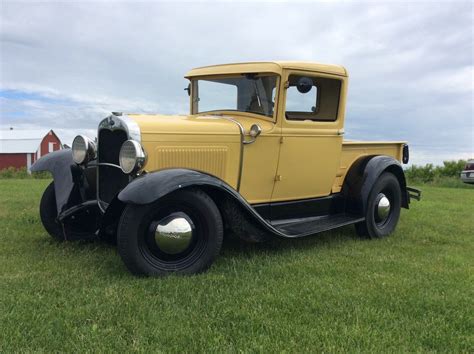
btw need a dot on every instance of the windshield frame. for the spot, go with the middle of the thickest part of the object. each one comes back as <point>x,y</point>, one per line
<point>195,79</point>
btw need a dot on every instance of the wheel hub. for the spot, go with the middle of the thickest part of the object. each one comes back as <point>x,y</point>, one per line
<point>382,207</point>
<point>174,233</point>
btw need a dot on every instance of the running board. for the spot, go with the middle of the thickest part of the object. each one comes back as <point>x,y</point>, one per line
<point>313,225</point>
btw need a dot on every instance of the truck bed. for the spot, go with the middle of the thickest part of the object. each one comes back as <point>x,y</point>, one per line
<point>353,150</point>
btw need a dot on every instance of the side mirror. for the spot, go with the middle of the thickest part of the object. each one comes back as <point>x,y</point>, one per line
<point>304,85</point>
<point>188,89</point>
<point>255,131</point>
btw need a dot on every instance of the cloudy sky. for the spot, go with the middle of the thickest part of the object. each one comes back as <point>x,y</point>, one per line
<point>67,65</point>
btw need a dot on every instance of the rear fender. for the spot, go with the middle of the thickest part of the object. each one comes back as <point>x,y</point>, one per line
<point>362,176</point>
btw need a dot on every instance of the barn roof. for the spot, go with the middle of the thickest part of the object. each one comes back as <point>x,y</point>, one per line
<point>21,141</point>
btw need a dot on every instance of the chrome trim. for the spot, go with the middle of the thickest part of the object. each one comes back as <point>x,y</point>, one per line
<point>140,156</point>
<point>383,206</point>
<point>255,131</point>
<point>174,233</point>
<point>122,122</point>
<point>242,143</point>
<point>90,152</point>
<point>108,164</point>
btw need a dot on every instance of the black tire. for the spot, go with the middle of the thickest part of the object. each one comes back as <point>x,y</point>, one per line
<point>48,213</point>
<point>139,249</point>
<point>374,226</point>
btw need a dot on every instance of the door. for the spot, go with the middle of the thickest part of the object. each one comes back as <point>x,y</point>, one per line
<point>260,160</point>
<point>312,121</point>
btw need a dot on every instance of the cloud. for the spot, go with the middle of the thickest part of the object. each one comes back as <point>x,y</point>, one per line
<point>410,64</point>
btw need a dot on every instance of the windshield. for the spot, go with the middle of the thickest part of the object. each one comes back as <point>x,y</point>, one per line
<point>245,93</point>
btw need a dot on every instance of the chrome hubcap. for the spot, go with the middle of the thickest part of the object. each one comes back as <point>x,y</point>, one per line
<point>174,233</point>
<point>383,207</point>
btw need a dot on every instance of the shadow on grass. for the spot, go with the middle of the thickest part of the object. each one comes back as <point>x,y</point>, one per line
<point>233,249</point>
<point>276,245</point>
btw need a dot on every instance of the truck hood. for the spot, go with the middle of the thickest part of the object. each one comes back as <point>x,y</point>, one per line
<point>184,124</point>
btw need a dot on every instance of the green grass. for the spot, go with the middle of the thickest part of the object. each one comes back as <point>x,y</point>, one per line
<point>445,182</point>
<point>332,292</point>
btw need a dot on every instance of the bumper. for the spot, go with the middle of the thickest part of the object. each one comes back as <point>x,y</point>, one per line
<point>467,177</point>
<point>413,193</point>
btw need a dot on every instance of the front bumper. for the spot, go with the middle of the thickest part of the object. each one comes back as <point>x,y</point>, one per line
<point>467,176</point>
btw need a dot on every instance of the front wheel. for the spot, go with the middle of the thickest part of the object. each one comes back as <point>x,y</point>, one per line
<point>383,208</point>
<point>49,213</point>
<point>181,233</point>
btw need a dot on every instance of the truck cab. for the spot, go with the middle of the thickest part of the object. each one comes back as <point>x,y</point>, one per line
<point>261,154</point>
<point>300,109</point>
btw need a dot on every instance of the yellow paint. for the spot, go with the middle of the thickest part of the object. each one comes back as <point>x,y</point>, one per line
<point>353,150</point>
<point>310,152</point>
<point>290,159</point>
<point>260,163</point>
<point>208,144</point>
<point>277,67</point>
<point>212,159</point>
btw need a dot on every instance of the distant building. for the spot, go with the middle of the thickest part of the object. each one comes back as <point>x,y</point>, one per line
<point>21,148</point>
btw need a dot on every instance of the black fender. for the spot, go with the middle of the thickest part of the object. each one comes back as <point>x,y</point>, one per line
<point>362,176</point>
<point>59,163</point>
<point>73,184</point>
<point>153,186</point>
<point>110,220</point>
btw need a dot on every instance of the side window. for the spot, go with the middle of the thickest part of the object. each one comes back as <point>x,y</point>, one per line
<point>312,98</point>
<point>302,97</point>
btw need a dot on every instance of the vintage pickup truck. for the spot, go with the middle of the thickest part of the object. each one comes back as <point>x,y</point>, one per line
<point>261,154</point>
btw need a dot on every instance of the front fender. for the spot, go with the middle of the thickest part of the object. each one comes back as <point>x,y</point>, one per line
<point>152,186</point>
<point>59,164</point>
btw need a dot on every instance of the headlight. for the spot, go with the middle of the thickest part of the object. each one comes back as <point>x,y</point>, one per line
<point>83,149</point>
<point>132,157</point>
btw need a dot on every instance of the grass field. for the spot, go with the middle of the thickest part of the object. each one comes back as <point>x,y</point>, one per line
<point>331,292</point>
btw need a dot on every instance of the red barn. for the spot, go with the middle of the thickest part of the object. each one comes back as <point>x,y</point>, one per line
<point>20,148</point>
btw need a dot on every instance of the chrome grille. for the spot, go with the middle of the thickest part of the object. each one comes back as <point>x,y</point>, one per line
<point>111,179</point>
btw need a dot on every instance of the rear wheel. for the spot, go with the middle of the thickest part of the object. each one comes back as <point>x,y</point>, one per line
<point>383,208</point>
<point>49,213</point>
<point>181,233</point>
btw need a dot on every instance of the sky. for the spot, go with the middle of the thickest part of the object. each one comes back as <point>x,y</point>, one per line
<point>67,65</point>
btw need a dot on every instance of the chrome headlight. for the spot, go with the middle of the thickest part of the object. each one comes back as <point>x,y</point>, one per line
<point>132,158</point>
<point>83,149</point>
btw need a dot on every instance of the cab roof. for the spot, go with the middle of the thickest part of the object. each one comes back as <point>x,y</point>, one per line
<point>276,67</point>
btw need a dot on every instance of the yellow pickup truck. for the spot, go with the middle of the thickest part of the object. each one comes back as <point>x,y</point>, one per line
<point>261,154</point>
